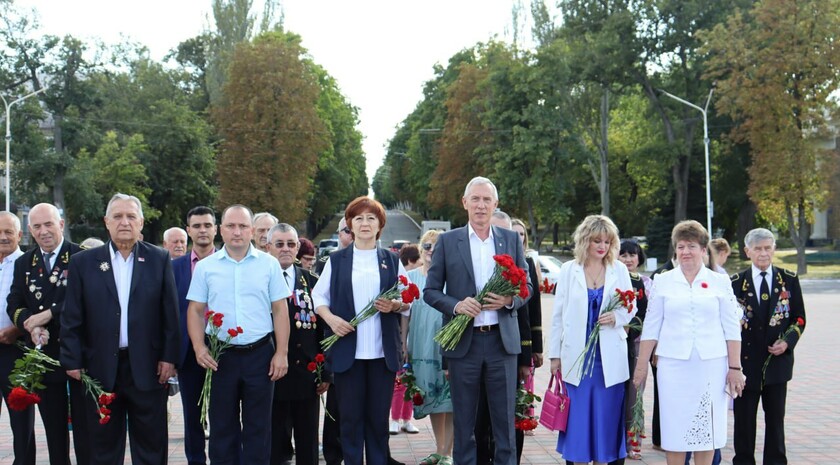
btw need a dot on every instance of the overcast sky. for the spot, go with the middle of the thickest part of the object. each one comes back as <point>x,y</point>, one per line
<point>381,52</point>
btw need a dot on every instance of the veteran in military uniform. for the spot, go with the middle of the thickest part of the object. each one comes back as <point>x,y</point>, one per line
<point>295,408</point>
<point>772,323</point>
<point>34,306</point>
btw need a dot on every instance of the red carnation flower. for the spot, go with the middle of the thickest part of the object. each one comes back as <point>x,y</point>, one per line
<point>232,332</point>
<point>319,358</point>
<point>800,321</point>
<point>312,366</point>
<point>704,284</point>
<point>208,314</point>
<point>239,330</point>
<point>104,420</point>
<point>523,290</point>
<point>104,411</point>
<point>417,399</point>
<point>20,399</point>
<point>217,319</point>
<point>403,280</point>
<point>640,294</point>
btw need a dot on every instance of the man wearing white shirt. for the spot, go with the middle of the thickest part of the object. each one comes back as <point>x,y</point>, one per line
<point>22,423</point>
<point>486,354</point>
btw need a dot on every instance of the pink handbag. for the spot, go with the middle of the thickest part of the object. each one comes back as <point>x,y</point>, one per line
<point>555,405</point>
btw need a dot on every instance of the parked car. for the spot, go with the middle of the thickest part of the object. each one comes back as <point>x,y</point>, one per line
<point>550,268</point>
<point>327,246</point>
<point>397,245</point>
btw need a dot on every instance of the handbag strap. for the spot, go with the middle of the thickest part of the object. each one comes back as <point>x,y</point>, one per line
<point>561,388</point>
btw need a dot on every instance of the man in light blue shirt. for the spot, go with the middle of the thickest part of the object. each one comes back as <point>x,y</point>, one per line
<point>247,287</point>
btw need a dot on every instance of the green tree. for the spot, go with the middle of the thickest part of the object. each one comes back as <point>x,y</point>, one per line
<point>272,132</point>
<point>776,68</point>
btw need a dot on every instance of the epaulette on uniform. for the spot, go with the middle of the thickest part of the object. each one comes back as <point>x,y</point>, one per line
<point>792,274</point>
<point>734,277</point>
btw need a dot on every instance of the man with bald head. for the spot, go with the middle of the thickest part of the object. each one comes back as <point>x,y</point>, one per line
<point>34,305</point>
<point>175,241</point>
<point>22,423</point>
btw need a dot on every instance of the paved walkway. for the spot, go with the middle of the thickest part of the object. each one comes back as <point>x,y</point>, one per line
<point>813,418</point>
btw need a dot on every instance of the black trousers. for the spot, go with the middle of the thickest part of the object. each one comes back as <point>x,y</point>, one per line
<point>773,398</point>
<point>365,392</point>
<point>333,455</point>
<point>190,381</point>
<point>299,419</point>
<point>22,423</point>
<point>145,414</point>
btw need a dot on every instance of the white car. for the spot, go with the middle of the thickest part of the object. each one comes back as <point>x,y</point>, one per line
<point>550,268</point>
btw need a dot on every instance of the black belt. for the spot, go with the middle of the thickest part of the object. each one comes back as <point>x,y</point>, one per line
<point>485,328</point>
<point>254,345</point>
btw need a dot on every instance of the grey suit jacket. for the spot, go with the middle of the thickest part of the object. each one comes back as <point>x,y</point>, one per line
<point>451,280</point>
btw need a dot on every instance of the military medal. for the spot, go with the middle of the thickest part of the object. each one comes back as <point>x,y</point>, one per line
<point>38,295</point>
<point>32,288</point>
<point>53,278</point>
<point>765,297</point>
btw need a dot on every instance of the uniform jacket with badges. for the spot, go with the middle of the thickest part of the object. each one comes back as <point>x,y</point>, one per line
<point>759,331</point>
<point>305,334</point>
<point>571,314</point>
<point>682,318</point>
<point>639,319</point>
<point>530,321</point>
<point>36,289</point>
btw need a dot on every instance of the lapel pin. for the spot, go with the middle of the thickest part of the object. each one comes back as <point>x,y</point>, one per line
<point>384,266</point>
<point>141,259</point>
<point>104,266</point>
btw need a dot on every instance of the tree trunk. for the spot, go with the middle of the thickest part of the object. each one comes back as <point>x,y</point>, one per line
<point>799,231</point>
<point>603,150</point>
<point>746,222</point>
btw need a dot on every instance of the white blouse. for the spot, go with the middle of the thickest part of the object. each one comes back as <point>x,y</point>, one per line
<point>365,279</point>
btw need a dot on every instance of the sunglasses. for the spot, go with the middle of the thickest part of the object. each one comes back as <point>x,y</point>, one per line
<point>289,244</point>
<point>345,230</point>
<point>427,246</point>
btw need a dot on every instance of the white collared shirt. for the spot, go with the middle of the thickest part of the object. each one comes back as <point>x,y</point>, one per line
<point>7,274</point>
<point>482,252</point>
<point>756,278</point>
<point>290,281</point>
<point>54,256</point>
<point>123,271</point>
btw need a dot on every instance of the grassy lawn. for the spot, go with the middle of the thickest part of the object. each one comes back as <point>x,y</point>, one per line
<point>786,258</point>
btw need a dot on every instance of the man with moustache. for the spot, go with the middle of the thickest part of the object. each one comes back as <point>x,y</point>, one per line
<point>120,325</point>
<point>487,352</point>
<point>21,423</point>
<point>295,410</point>
<point>175,241</point>
<point>201,227</point>
<point>35,302</point>
<point>263,221</point>
<point>247,287</point>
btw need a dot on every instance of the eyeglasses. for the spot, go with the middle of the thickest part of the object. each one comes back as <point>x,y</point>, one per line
<point>345,230</point>
<point>289,244</point>
<point>427,246</point>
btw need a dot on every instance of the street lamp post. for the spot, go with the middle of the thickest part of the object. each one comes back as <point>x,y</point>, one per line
<point>709,205</point>
<point>9,137</point>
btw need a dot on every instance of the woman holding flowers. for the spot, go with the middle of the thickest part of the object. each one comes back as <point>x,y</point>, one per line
<point>366,357</point>
<point>693,323</point>
<point>588,343</point>
<point>427,362</point>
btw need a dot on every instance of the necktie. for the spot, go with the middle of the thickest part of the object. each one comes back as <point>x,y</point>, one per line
<point>286,277</point>
<point>48,260</point>
<point>764,294</point>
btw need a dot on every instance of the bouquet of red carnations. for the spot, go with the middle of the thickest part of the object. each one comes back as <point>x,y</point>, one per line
<point>525,400</point>
<point>27,376</point>
<point>507,280</point>
<point>637,424</point>
<point>217,348</point>
<point>620,299</point>
<point>796,326</point>
<point>412,390</point>
<point>404,290</point>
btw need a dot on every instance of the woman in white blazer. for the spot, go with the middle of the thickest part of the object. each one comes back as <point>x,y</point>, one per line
<point>693,322</point>
<point>595,431</point>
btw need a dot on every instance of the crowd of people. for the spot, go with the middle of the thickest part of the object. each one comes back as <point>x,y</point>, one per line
<point>139,318</point>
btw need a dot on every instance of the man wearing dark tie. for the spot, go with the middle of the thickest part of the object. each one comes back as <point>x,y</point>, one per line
<point>247,287</point>
<point>201,228</point>
<point>34,305</point>
<point>295,411</point>
<point>21,423</point>
<point>773,322</point>
<point>120,325</point>
<point>487,352</point>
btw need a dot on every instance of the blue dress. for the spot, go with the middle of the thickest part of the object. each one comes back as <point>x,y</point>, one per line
<point>595,430</point>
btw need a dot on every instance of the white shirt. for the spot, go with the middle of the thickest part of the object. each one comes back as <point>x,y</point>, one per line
<point>7,274</point>
<point>54,256</point>
<point>290,281</point>
<point>123,270</point>
<point>756,278</point>
<point>482,252</point>
<point>365,280</point>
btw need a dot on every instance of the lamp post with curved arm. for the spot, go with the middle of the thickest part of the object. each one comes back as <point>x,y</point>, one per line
<point>709,205</point>
<point>9,137</point>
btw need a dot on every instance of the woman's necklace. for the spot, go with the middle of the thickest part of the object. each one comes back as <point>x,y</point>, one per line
<point>594,280</point>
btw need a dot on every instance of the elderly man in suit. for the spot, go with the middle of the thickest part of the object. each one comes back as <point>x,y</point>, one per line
<point>120,325</point>
<point>295,409</point>
<point>773,322</point>
<point>21,423</point>
<point>487,352</point>
<point>201,227</point>
<point>35,302</point>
